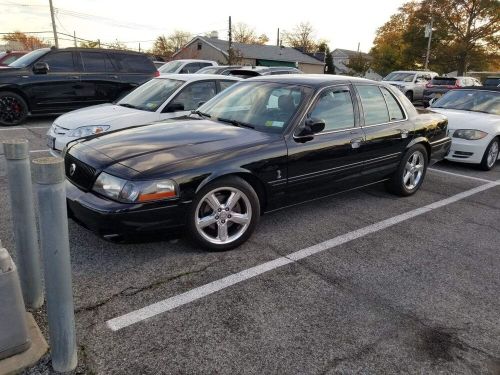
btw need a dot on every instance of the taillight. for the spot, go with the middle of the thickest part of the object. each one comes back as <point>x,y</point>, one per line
<point>157,73</point>
<point>429,85</point>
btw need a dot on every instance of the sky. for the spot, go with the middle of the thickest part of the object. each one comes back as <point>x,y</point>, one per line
<point>344,23</point>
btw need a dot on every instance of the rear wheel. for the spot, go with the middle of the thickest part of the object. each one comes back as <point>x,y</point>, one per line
<point>224,214</point>
<point>410,173</point>
<point>13,109</point>
<point>490,156</point>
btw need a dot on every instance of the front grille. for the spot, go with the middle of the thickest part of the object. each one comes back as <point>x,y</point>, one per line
<point>83,175</point>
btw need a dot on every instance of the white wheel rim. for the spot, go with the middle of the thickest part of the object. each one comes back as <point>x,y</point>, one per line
<point>414,170</point>
<point>223,215</point>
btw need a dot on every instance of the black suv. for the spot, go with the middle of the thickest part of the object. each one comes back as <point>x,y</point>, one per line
<point>53,81</point>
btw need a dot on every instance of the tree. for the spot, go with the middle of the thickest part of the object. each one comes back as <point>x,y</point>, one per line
<point>166,46</point>
<point>359,65</point>
<point>242,33</point>
<point>90,44</point>
<point>323,47</point>
<point>27,42</point>
<point>465,36</point>
<point>302,36</point>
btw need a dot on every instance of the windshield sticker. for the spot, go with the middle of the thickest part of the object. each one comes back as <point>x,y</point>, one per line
<point>275,123</point>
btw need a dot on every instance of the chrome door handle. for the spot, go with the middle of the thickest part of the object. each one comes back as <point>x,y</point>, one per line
<point>75,77</point>
<point>404,133</point>
<point>356,142</point>
<point>113,76</point>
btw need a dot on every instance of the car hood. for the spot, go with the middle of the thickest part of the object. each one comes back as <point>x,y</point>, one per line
<point>399,83</point>
<point>116,116</point>
<point>458,119</point>
<point>166,143</point>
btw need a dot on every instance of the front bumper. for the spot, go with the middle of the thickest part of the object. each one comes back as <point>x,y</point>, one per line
<point>112,219</point>
<point>465,151</point>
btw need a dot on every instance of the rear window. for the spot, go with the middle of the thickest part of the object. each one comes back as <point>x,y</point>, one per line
<point>492,81</point>
<point>133,63</point>
<point>443,81</point>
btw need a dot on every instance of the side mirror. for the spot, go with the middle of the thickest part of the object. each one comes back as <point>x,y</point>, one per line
<point>432,101</point>
<point>174,107</point>
<point>311,127</point>
<point>201,103</point>
<point>40,68</point>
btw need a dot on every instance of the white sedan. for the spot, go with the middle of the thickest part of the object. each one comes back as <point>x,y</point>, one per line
<point>473,124</point>
<point>161,98</point>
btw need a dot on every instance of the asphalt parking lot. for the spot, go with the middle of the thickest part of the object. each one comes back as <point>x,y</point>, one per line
<point>363,282</point>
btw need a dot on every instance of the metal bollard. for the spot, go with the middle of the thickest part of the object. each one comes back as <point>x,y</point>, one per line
<point>54,240</point>
<point>24,222</point>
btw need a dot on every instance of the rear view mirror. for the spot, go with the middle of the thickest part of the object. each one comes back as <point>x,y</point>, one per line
<point>40,68</point>
<point>174,107</point>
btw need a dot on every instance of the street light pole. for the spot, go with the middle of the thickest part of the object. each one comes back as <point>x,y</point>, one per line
<point>53,24</point>
<point>429,43</point>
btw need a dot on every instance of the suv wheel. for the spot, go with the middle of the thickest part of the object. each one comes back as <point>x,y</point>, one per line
<point>409,95</point>
<point>13,109</point>
<point>224,214</point>
<point>490,156</point>
<point>410,173</point>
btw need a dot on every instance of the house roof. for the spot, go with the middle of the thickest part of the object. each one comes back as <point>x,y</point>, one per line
<point>263,52</point>
<point>350,53</point>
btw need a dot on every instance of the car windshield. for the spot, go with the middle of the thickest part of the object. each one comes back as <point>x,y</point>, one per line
<point>151,95</point>
<point>29,58</point>
<point>399,77</point>
<point>170,67</point>
<point>267,107</point>
<point>470,100</point>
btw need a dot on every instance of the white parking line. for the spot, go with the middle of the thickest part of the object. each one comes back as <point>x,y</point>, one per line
<point>165,305</point>
<point>24,128</point>
<point>459,175</point>
<point>36,151</point>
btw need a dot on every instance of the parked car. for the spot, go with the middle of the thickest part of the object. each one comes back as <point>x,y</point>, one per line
<point>52,81</point>
<point>185,66</point>
<point>492,82</point>
<point>263,144</point>
<point>9,57</point>
<point>161,98</point>
<point>441,85</point>
<point>410,82</point>
<point>474,124</point>
<point>255,71</point>
<point>221,69</point>
<point>158,64</point>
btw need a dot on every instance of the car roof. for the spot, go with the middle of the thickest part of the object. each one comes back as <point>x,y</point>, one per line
<point>313,80</point>
<point>106,50</point>
<point>480,88</point>
<point>197,77</point>
<point>413,71</point>
<point>193,60</point>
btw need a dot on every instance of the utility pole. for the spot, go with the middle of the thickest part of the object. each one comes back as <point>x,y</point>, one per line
<point>139,47</point>
<point>278,38</point>
<point>74,38</point>
<point>230,44</point>
<point>53,24</point>
<point>429,32</point>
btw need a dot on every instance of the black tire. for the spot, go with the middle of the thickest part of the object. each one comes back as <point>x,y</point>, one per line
<point>13,109</point>
<point>200,204</point>
<point>397,184</point>
<point>487,165</point>
<point>409,95</point>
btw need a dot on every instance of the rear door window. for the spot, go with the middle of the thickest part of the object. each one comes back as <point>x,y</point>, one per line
<point>190,68</point>
<point>59,62</point>
<point>225,84</point>
<point>395,111</point>
<point>128,63</point>
<point>374,107</point>
<point>335,108</point>
<point>94,62</point>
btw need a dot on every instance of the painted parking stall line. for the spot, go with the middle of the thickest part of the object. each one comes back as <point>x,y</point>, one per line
<point>168,304</point>
<point>24,128</point>
<point>458,175</point>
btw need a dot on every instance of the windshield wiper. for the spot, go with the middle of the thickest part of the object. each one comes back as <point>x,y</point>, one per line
<point>126,105</point>
<point>201,114</point>
<point>236,123</point>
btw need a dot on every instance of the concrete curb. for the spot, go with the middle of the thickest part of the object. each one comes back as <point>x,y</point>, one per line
<point>18,362</point>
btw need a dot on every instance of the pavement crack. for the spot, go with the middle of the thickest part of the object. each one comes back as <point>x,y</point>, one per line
<point>132,290</point>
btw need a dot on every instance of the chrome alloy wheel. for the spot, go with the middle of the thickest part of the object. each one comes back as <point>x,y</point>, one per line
<point>414,170</point>
<point>223,215</point>
<point>492,154</point>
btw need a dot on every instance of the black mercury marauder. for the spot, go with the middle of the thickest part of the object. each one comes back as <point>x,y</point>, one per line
<point>262,144</point>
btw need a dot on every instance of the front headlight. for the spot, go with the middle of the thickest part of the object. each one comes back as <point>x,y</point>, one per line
<point>85,131</point>
<point>469,134</point>
<point>134,191</point>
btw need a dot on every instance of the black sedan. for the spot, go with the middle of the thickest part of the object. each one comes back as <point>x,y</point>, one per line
<point>263,144</point>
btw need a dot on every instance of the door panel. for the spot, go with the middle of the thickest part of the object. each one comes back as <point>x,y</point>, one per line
<point>333,159</point>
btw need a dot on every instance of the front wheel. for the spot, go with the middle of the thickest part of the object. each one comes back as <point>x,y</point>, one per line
<point>410,173</point>
<point>13,109</point>
<point>224,214</point>
<point>490,156</point>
